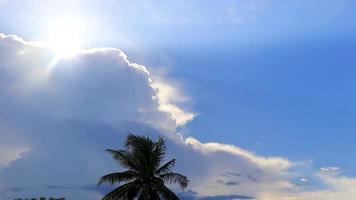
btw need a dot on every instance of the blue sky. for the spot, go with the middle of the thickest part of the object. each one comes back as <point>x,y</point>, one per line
<point>275,78</point>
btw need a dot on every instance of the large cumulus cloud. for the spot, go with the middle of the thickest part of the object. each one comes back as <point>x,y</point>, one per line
<point>50,108</point>
<point>95,85</point>
<point>57,115</point>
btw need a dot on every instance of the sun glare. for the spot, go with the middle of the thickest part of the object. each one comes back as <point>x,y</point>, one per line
<point>65,36</point>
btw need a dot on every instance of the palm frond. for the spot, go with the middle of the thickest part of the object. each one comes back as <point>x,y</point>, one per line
<point>148,193</point>
<point>171,177</point>
<point>140,147</point>
<point>124,158</point>
<point>118,177</point>
<point>166,193</point>
<point>124,192</point>
<point>134,141</point>
<point>158,152</point>
<point>166,168</point>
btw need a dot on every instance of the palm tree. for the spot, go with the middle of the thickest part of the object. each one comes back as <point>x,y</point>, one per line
<point>145,177</point>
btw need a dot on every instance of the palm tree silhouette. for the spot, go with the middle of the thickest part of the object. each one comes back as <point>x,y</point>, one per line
<point>145,178</point>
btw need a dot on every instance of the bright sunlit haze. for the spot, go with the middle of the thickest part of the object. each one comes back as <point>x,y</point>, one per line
<point>65,36</point>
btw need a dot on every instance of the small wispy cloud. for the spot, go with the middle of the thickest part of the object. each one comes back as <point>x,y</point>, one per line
<point>329,169</point>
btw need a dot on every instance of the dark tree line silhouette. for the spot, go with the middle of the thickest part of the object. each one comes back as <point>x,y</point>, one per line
<point>41,198</point>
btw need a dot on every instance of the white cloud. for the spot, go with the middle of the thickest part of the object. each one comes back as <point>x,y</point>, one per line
<point>272,162</point>
<point>51,102</point>
<point>98,84</point>
<point>234,170</point>
<point>10,154</point>
<point>337,188</point>
<point>329,169</point>
<point>168,96</point>
<point>65,112</point>
<point>12,148</point>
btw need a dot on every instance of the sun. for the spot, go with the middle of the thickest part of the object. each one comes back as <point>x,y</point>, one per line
<point>65,36</point>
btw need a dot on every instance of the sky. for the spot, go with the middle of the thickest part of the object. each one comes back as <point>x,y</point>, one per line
<point>255,97</point>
